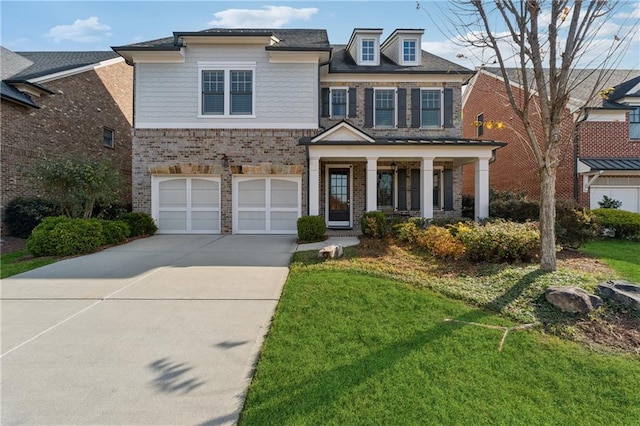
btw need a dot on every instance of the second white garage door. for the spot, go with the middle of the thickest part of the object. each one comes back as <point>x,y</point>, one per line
<point>266,205</point>
<point>629,196</point>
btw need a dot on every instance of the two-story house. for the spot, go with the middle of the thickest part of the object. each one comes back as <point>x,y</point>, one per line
<point>57,104</point>
<point>245,130</point>
<point>600,143</point>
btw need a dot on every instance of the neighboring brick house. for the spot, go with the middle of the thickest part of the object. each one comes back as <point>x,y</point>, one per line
<point>63,104</point>
<point>245,130</point>
<point>602,157</point>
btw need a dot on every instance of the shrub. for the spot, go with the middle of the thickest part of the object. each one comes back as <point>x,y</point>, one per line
<point>374,224</point>
<point>114,231</point>
<point>609,203</point>
<point>61,236</point>
<point>139,223</point>
<point>623,223</point>
<point>500,241</point>
<point>110,211</point>
<point>440,243</point>
<point>22,214</point>
<point>575,225</point>
<point>311,228</point>
<point>469,206</point>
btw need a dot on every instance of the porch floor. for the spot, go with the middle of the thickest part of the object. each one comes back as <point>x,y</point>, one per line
<point>355,232</point>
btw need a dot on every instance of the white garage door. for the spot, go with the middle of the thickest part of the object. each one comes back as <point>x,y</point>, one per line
<point>629,196</point>
<point>266,205</point>
<point>186,205</point>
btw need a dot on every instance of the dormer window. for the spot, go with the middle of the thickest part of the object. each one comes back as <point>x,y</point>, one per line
<point>403,47</point>
<point>364,46</point>
<point>368,50</point>
<point>409,51</point>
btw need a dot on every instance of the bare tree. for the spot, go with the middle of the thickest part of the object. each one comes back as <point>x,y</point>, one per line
<point>545,42</point>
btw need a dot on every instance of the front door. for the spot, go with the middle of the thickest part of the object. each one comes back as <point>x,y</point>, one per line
<point>339,197</point>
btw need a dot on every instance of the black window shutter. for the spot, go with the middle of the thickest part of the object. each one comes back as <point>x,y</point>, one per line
<point>368,107</point>
<point>448,189</point>
<point>353,98</point>
<point>415,189</point>
<point>402,189</point>
<point>324,98</point>
<point>415,108</point>
<point>448,107</point>
<point>402,107</point>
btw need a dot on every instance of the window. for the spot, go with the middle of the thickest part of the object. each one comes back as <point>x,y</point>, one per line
<point>108,137</point>
<point>409,51</point>
<point>480,125</point>
<point>437,189</point>
<point>227,89</point>
<point>368,53</point>
<point>634,123</point>
<point>385,189</point>
<point>431,111</point>
<point>385,108</point>
<point>339,103</point>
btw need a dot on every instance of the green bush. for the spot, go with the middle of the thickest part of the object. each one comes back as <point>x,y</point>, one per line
<point>406,231</point>
<point>62,236</point>
<point>609,203</point>
<point>440,243</point>
<point>311,228</point>
<point>575,225</point>
<point>623,223</point>
<point>114,231</point>
<point>374,224</point>
<point>499,241</point>
<point>139,223</point>
<point>22,214</point>
<point>468,206</point>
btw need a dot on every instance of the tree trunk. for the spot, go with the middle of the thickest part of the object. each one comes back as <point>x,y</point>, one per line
<point>548,219</point>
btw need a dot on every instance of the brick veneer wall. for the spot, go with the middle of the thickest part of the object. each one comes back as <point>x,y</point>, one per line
<point>515,167</point>
<point>69,122</point>
<point>248,147</point>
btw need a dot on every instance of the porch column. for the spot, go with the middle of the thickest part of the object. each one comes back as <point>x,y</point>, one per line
<point>482,188</point>
<point>426,189</point>
<point>372,184</point>
<point>314,186</point>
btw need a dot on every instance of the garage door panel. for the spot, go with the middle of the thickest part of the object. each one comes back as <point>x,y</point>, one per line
<point>284,193</point>
<point>251,221</point>
<point>205,221</point>
<point>253,193</point>
<point>204,193</point>
<point>173,193</point>
<point>629,197</point>
<point>284,221</point>
<point>172,221</point>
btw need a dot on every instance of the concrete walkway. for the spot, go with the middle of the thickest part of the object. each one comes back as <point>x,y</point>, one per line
<point>163,330</point>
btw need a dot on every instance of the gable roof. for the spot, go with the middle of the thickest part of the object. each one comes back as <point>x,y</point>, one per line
<point>12,63</point>
<point>628,89</point>
<point>46,63</point>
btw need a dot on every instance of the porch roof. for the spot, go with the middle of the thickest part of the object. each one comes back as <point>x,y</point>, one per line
<point>404,142</point>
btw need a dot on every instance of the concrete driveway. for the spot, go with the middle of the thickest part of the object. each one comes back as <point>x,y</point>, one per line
<point>163,330</point>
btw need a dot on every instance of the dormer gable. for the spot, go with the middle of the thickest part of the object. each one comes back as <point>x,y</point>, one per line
<point>403,47</point>
<point>364,46</point>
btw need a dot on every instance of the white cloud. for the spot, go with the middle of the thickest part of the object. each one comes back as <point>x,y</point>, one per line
<point>82,30</point>
<point>633,13</point>
<point>268,17</point>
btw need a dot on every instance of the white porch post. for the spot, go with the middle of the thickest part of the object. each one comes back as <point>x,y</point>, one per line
<point>426,189</point>
<point>314,186</point>
<point>482,188</point>
<point>372,185</point>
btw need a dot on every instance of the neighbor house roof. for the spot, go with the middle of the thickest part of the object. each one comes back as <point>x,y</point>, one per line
<point>406,142</point>
<point>612,163</point>
<point>628,89</point>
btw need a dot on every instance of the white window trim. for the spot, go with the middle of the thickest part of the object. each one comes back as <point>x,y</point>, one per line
<point>416,61</point>
<point>376,48</point>
<point>331,89</point>
<point>424,89</point>
<point>227,67</point>
<point>395,107</point>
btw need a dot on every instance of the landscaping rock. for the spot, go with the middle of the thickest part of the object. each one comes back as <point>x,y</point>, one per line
<point>330,252</point>
<point>572,299</point>
<point>623,293</point>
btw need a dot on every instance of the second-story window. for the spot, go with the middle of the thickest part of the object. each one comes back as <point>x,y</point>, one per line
<point>213,92</point>
<point>385,108</point>
<point>409,51</point>
<point>368,53</point>
<point>241,92</point>
<point>227,89</point>
<point>634,124</point>
<point>339,103</point>
<point>431,108</point>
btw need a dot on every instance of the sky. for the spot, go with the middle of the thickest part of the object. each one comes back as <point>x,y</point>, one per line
<point>97,25</point>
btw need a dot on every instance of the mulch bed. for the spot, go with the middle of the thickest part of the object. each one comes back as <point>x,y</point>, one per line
<point>11,244</point>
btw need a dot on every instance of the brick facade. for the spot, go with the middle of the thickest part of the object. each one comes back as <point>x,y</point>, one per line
<point>69,122</point>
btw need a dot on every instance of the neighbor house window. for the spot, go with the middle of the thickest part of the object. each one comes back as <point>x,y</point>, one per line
<point>480,125</point>
<point>409,51</point>
<point>634,123</point>
<point>368,53</point>
<point>339,103</point>
<point>227,89</point>
<point>385,108</point>
<point>431,108</point>
<point>108,137</point>
<point>385,189</point>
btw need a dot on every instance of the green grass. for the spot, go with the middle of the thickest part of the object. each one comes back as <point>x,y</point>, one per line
<point>353,348</point>
<point>21,261</point>
<point>621,255</point>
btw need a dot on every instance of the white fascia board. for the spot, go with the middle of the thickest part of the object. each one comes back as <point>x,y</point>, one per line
<point>629,100</point>
<point>607,115</point>
<point>155,56</point>
<point>466,91</point>
<point>221,39</point>
<point>343,128</point>
<point>435,151</point>
<point>395,78</point>
<point>224,125</point>
<point>74,71</point>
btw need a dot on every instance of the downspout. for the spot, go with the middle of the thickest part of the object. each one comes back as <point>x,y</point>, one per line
<point>576,143</point>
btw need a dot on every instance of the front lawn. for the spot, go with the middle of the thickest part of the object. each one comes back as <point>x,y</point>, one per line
<point>622,255</point>
<point>21,261</point>
<point>350,345</point>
